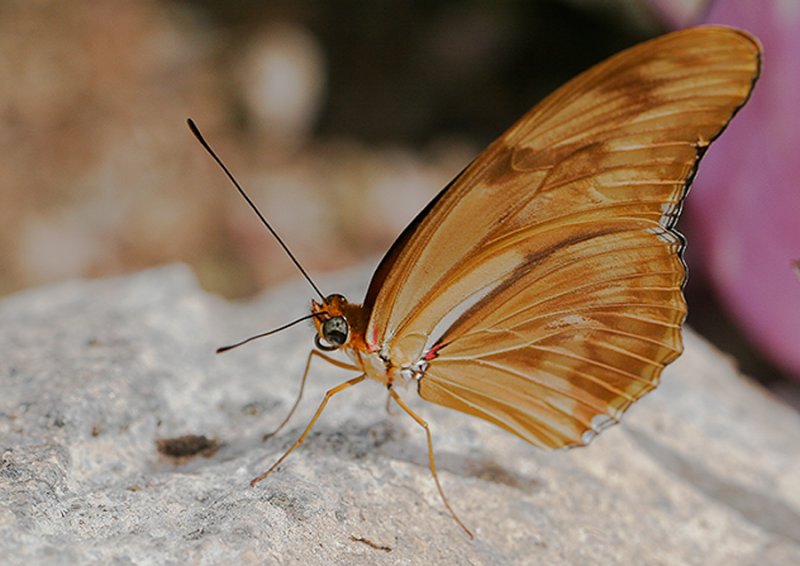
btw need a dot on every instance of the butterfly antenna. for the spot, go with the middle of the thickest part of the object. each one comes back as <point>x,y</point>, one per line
<point>271,332</point>
<point>196,131</point>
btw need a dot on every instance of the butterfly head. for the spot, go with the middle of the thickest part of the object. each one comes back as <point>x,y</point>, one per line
<point>333,326</point>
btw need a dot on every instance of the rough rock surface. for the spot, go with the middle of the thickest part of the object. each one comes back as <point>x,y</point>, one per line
<point>705,470</point>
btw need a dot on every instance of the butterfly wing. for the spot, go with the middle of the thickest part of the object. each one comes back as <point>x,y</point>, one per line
<point>543,286</point>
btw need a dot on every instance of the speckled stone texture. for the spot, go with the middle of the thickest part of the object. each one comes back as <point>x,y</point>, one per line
<point>705,470</point>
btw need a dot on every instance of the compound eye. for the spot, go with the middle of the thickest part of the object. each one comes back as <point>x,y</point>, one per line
<point>335,331</point>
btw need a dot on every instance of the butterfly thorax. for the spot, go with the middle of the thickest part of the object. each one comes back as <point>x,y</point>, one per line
<point>342,325</point>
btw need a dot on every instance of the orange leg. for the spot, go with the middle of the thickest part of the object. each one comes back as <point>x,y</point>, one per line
<point>431,460</point>
<point>311,354</point>
<point>328,395</point>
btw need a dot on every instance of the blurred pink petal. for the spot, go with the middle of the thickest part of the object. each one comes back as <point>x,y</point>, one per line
<point>744,215</point>
<point>678,13</point>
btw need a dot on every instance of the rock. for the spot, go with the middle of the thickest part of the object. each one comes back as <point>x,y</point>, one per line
<point>93,374</point>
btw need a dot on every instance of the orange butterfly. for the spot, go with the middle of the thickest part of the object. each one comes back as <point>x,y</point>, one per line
<point>541,290</point>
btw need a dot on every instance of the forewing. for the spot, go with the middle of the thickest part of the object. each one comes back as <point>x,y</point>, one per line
<point>544,285</point>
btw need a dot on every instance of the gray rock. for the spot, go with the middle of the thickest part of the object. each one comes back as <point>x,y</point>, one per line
<point>705,470</point>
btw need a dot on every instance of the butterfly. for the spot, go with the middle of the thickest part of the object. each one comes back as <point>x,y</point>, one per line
<point>541,290</point>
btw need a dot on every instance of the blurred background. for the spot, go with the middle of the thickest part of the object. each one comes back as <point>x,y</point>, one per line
<point>343,119</point>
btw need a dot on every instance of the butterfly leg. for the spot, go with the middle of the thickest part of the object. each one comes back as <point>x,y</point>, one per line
<point>331,392</point>
<point>311,354</point>
<point>431,460</point>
